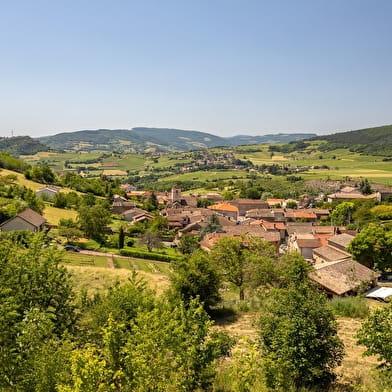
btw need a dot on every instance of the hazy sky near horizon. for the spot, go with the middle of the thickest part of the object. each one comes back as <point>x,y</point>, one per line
<point>220,66</point>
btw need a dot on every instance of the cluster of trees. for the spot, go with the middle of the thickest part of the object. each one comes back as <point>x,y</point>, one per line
<point>126,339</point>
<point>41,173</point>
<point>11,163</point>
<point>15,198</point>
<point>97,186</point>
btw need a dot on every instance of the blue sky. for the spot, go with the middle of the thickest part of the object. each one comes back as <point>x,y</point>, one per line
<point>222,66</point>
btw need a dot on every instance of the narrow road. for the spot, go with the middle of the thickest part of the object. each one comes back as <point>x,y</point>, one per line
<point>94,253</point>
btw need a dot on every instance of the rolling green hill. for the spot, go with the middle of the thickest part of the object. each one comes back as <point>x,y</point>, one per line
<point>370,141</point>
<point>154,139</point>
<point>21,145</point>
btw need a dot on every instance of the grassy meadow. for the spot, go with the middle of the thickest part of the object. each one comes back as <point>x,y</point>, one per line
<point>341,163</point>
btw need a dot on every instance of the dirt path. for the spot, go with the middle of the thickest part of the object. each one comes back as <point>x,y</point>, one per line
<point>110,262</point>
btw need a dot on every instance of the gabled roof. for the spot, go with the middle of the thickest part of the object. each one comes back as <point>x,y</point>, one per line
<point>29,216</point>
<point>223,207</point>
<point>308,242</point>
<point>50,188</point>
<point>328,253</point>
<point>301,214</point>
<point>341,240</point>
<point>340,277</point>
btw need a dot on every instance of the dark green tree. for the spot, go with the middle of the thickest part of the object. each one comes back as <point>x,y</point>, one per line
<point>298,332</point>
<point>365,187</point>
<point>246,261</point>
<point>212,226</point>
<point>121,237</point>
<point>93,220</point>
<point>373,247</point>
<point>36,305</point>
<point>188,244</point>
<point>197,277</point>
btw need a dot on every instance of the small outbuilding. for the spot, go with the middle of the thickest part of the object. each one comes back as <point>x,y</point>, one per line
<point>26,220</point>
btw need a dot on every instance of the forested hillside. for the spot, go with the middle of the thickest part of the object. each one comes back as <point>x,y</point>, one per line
<point>370,141</point>
<point>21,145</point>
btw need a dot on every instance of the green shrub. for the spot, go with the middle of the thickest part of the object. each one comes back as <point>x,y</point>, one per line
<point>354,307</point>
<point>147,255</point>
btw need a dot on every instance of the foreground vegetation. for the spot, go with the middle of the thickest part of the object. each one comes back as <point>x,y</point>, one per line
<point>122,336</point>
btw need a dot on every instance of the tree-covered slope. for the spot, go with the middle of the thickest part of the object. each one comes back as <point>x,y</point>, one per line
<point>21,145</point>
<point>372,141</point>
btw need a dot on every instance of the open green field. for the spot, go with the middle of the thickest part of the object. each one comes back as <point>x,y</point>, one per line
<point>168,160</point>
<point>341,162</point>
<point>125,162</point>
<point>204,175</point>
<point>94,273</point>
<point>56,160</point>
<point>128,263</point>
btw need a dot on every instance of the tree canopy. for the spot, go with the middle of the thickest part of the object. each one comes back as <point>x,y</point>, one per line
<point>298,332</point>
<point>244,261</point>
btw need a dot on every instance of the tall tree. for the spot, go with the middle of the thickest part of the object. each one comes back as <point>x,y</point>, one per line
<point>121,237</point>
<point>197,278</point>
<point>342,213</point>
<point>188,244</point>
<point>298,332</point>
<point>151,240</point>
<point>243,261</point>
<point>93,220</point>
<point>373,247</point>
<point>36,304</point>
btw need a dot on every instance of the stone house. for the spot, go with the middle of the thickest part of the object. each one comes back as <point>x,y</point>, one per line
<point>26,220</point>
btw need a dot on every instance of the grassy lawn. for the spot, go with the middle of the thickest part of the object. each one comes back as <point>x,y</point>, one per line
<point>131,162</point>
<point>53,214</point>
<point>127,263</point>
<point>75,258</point>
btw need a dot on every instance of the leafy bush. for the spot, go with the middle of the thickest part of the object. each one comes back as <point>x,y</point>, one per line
<point>147,255</point>
<point>354,307</point>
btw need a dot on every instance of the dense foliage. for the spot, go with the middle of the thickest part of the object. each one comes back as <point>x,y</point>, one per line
<point>371,141</point>
<point>298,332</point>
<point>9,162</point>
<point>21,145</point>
<point>373,247</point>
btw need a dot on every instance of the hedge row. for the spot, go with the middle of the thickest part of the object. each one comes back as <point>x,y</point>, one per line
<point>147,255</point>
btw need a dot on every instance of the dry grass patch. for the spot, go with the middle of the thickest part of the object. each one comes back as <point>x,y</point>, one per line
<point>355,367</point>
<point>114,172</point>
<point>97,279</point>
<point>53,214</point>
